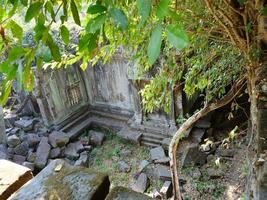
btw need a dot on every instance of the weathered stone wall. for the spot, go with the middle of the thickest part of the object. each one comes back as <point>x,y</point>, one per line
<point>62,92</point>
<point>108,85</point>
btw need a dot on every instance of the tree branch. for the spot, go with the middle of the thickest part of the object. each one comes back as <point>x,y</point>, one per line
<point>235,90</point>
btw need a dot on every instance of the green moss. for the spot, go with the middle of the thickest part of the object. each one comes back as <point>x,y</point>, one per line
<point>56,187</point>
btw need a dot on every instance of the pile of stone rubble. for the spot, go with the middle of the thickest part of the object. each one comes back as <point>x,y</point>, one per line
<point>30,144</point>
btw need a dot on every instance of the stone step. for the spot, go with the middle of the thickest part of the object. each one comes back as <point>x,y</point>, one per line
<point>148,144</point>
<point>76,130</point>
<point>151,140</point>
<point>153,135</point>
<point>76,121</point>
<point>110,114</point>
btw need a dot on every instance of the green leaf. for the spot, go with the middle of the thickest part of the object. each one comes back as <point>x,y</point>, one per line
<point>24,2</point>
<point>65,34</point>
<point>93,42</point>
<point>94,9</point>
<point>264,11</point>
<point>144,8</point>
<point>53,48</point>
<point>88,42</point>
<point>16,30</point>
<point>83,41</point>
<point>32,11</point>
<point>177,37</point>
<point>119,18</point>
<point>75,12</point>
<point>163,9</point>
<point>154,45</point>
<point>28,79</point>
<point>4,67</point>
<point>15,53</point>
<point>95,24</point>
<point>49,8</point>
<point>241,2</point>
<point>6,89</point>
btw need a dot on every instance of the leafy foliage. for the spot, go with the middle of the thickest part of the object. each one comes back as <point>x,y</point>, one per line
<point>169,37</point>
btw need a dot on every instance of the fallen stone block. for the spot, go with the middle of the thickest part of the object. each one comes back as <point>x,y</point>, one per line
<point>163,173</point>
<point>141,184</point>
<point>133,136</point>
<point>31,156</point>
<point>55,153</point>
<point>12,177</point>
<point>83,160</point>
<point>32,139</point>
<point>166,189</point>
<point>25,124</point>
<point>59,180</point>
<point>124,167</point>
<point>13,141</point>
<point>22,149</point>
<point>10,119</point>
<point>19,159</point>
<point>96,138</point>
<point>73,149</point>
<point>157,153</point>
<point>58,139</point>
<point>143,165</point>
<point>197,135</point>
<point>42,153</point>
<point>121,193</point>
<point>193,155</point>
<point>164,160</point>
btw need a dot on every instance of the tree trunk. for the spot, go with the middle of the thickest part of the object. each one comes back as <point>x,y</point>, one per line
<point>236,88</point>
<point>257,161</point>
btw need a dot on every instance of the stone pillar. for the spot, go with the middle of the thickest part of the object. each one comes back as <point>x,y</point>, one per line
<point>137,102</point>
<point>2,127</point>
<point>40,95</point>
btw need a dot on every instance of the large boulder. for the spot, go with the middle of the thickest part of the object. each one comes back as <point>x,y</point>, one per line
<point>12,177</point>
<point>42,153</point>
<point>58,139</point>
<point>121,193</point>
<point>59,180</point>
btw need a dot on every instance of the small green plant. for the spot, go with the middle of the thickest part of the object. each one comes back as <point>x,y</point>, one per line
<point>244,170</point>
<point>187,170</point>
<point>219,190</point>
<point>98,161</point>
<point>94,152</point>
<point>180,120</point>
<point>201,186</point>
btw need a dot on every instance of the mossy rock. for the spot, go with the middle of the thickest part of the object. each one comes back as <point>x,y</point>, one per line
<point>121,193</point>
<point>59,180</point>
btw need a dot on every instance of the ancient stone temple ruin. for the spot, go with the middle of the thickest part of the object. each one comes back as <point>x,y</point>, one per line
<point>105,95</point>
